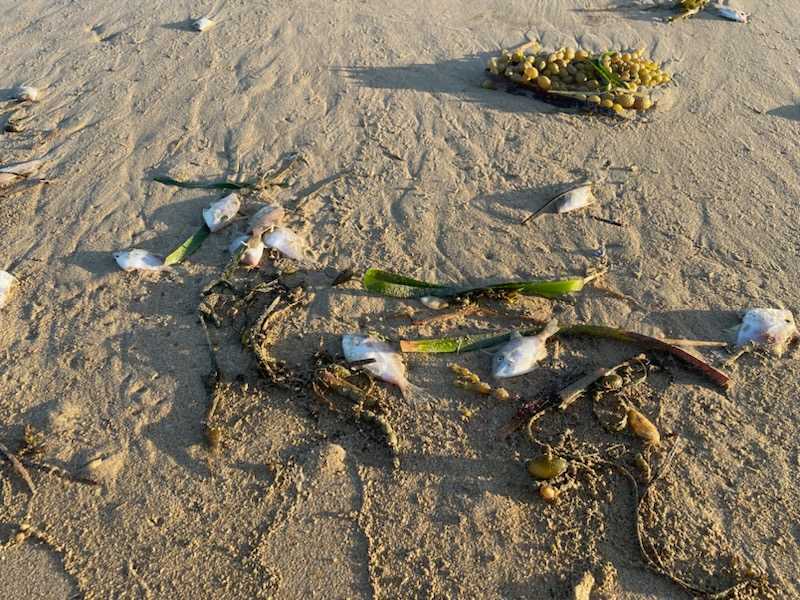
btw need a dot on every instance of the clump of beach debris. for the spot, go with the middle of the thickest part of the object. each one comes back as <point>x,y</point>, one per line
<point>616,82</point>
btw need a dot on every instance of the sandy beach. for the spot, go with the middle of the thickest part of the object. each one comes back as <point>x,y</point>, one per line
<point>407,164</point>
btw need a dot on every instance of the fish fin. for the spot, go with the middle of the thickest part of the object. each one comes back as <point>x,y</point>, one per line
<point>417,395</point>
<point>515,334</point>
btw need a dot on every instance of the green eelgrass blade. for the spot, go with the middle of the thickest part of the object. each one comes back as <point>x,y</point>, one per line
<point>205,185</point>
<point>188,247</point>
<point>544,289</point>
<point>464,343</point>
<point>469,343</point>
<point>608,76</point>
<point>400,286</point>
<point>396,286</point>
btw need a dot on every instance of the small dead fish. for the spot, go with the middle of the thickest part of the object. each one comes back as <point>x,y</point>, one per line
<point>288,243</point>
<point>27,93</point>
<point>139,260</point>
<point>568,201</point>
<point>732,14</point>
<point>769,327</point>
<point>575,199</point>
<point>521,353</point>
<point>7,284</point>
<point>203,23</point>
<point>434,303</point>
<point>265,218</point>
<point>387,365</point>
<point>220,213</point>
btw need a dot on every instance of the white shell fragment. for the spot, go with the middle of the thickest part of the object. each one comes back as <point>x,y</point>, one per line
<point>387,365</point>
<point>575,199</point>
<point>769,327</point>
<point>520,354</point>
<point>732,14</point>
<point>7,284</point>
<point>288,243</point>
<point>27,93</point>
<point>220,213</point>
<point>433,302</point>
<point>203,23</point>
<point>139,260</point>
<point>265,218</point>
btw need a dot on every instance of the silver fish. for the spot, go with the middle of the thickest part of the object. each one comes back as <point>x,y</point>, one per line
<point>575,199</point>
<point>434,302</point>
<point>521,353</point>
<point>7,284</point>
<point>732,14</point>
<point>27,93</point>
<point>387,365</point>
<point>203,23</point>
<point>288,243</point>
<point>265,218</point>
<point>767,326</point>
<point>220,213</point>
<point>139,260</point>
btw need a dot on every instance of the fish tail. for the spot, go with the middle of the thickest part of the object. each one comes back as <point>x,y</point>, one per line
<point>550,329</point>
<point>416,395</point>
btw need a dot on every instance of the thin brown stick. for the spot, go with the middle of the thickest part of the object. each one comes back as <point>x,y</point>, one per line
<point>58,472</point>
<point>19,468</point>
<point>608,221</point>
<point>461,311</point>
<point>539,210</point>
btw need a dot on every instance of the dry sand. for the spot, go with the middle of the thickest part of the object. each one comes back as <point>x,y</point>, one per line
<point>427,173</point>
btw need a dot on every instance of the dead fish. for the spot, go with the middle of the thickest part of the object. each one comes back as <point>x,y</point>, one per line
<point>220,213</point>
<point>7,284</point>
<point>433,302</point>
<point>288,243</point>
<point>575,199</point>
<point>139,260</point>
<point>568,201</point>
<point>203,23</point>
<point>732,14</point>
<point>769,327</point>
<point>387,365</point>
<point>521,353</point>
<point>14,173</point>
<point>27,93</point>
<point>265,218</point>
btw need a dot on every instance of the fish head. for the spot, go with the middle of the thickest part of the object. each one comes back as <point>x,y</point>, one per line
<point>503,365</point>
